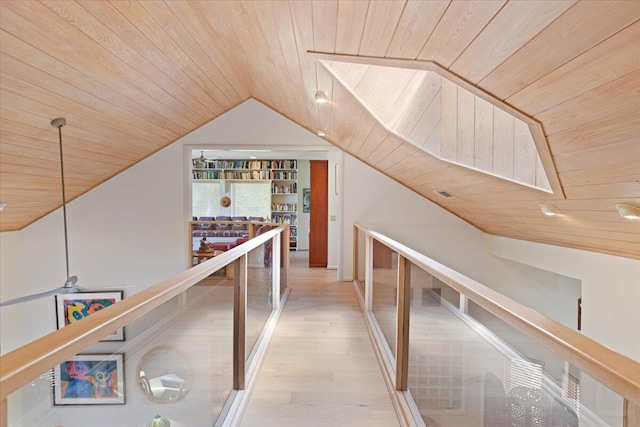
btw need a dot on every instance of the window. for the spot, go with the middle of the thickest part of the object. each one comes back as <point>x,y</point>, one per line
<point>251,199</point>
<point>206,199</point>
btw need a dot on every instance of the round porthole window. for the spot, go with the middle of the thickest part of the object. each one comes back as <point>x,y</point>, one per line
<point>163,375</point>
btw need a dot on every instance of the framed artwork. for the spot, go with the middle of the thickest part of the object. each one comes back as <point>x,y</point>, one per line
<point>306,200</point>
<point>90,379</point>
<point>73,307</point>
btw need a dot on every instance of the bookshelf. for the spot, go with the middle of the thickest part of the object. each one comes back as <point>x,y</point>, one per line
<point>283,175</point>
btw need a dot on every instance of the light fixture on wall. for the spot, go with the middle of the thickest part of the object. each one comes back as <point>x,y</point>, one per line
<point>627,211</point>
<point>2,206</point>
<point>321,97</point>
<point>320,132</point>
<point>549,210</point>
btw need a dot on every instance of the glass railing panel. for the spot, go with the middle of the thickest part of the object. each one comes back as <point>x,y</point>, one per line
<point>362,242</point>
<point>175,361</point>
<point>259,293</point>
<point>284,255</point>
<point>538,368</point>
<point>447,360</point>
<point>385,289</point>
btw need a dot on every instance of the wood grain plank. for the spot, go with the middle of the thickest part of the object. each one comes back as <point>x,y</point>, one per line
<point>561,41</point>
<point>352,15</point>
<point>525,154</point>
<point>418,21</point>
<point>219,59</point>
<point>23,61</point>
<point>385,149</point>
<point>448,148</point>
<point>186,71</point>
<point>22,143</point>
<point>230,86</point>
<point>483,154</point>
<point>365,127</point>
<point>302,19</point>
<point>325,21</point>
<point>417,103</point>
<point>503,149</point>
<point>98,126</point>
<point>511,28</point>
<point>606,62</point>
<point>457,28</point>
<point>603,103</point>
<point>376,137</point>
<point>43,101</point>
<point>430,122</point>
<point>93,20</point>
<point>465,135</point>
<point>381,23</point>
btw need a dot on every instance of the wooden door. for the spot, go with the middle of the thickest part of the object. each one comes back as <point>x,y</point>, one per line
<point>318,226</point>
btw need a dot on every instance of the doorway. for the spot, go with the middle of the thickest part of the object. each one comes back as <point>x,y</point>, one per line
<point>318,224</point>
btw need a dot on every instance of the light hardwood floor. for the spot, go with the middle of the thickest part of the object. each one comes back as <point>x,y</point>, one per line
<point>320,368</point>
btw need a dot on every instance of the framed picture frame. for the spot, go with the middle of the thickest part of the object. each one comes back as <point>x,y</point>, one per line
<point>73,307</point>
<point>306,200</point>
<point>90,379</point>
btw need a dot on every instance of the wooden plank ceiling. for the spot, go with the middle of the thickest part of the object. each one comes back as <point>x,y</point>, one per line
<point>132,77</point>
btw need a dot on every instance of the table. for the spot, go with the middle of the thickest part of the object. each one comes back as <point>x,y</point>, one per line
<point>203,256</point>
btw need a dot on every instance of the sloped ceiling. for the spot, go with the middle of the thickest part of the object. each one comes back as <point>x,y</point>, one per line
<point>132,77</point>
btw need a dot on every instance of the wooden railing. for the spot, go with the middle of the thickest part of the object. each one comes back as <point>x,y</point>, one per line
<point>26,363</point>
<point>619,373</point>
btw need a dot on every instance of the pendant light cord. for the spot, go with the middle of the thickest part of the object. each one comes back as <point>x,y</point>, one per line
<point>59,125</point>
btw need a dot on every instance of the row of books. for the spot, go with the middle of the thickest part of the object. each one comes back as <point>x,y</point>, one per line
<point>284,207</point>
<point>248,175</point>
<point>285,219</point>
<point>244,164</point>
<point>284,188</point>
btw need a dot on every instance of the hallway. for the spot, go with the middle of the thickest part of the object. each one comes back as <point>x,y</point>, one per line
<point>320,368</point>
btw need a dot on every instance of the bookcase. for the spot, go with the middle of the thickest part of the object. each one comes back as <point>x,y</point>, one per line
<point>283,175</point>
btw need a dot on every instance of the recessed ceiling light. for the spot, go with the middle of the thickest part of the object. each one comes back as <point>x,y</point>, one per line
<point>321,97</point>
<point>628,211</point>
<point>2,206</point>
<point>320,132</point>
<point>549,210</point>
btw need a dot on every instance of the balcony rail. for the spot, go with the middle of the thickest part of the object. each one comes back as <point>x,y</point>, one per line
<point>388,318</point>
<point>27,363</point>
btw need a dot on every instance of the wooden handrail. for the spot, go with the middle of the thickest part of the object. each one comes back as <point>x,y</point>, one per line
<point>26,363</point>
<point>616,371</point>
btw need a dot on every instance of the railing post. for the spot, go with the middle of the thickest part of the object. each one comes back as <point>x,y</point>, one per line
<point>368,278</point>
<point>239,321</point>
<point>631,414</point>
<point>402,336</point>
<point>275,269</point>
<point>355,253</point>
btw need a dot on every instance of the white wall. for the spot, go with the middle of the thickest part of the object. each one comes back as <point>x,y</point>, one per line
<point>390,208</point>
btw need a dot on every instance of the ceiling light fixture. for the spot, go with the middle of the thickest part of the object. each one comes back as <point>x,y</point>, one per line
<point>320,132</point>
<point>321,97</point>
<point>2,206</point>
<point>549,210</point>
<point>628,211</point>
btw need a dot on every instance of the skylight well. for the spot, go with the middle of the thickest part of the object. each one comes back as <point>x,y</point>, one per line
<point>446,120</point>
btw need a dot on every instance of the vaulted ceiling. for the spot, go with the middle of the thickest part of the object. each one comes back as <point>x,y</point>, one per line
<point>132,77</point>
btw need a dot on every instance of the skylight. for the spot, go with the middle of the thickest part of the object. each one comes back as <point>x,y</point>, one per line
<point>446,120</point>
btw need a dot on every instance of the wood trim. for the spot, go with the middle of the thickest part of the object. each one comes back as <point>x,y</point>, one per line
<point>614,370</point>
<point>355,253</point>
<point>402,336</point>
<point>535,126</point>
<point>631,416</point>
<point>4,413</point>
<point>239,322</point>
<point>22,365</point>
